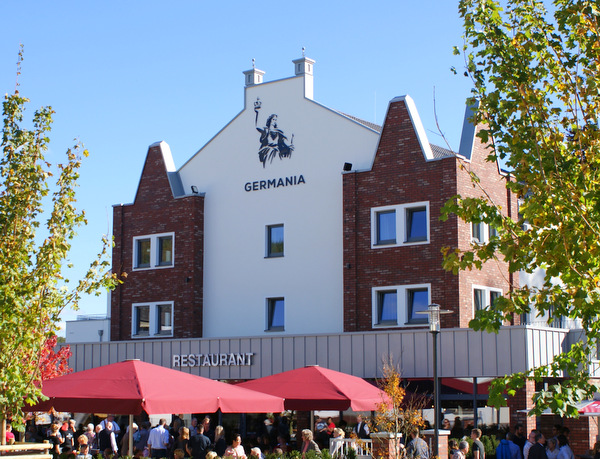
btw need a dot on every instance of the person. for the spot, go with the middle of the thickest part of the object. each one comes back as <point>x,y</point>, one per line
<point>538,450</point>
<point>235,449</point>
<point>211,455</point>
<point>141,442</point>
<point>84,452</point>
<point>89,433</point>
<point>452,447</point>
<point>95,445</point>
<point>308,444</point>
<point>457,430</point>
<point>564,451</point>
<point>55,440</point>
<point>463,449</point>
<point>556,430</point>
<point>10,436</point>
<point>519,438</point>
<point>199,443</point>
<point>256,453</point>
<point>82,440</point>
<point>158,440</point>
<point>478,449</point>
<point>362,429</point>
<point>529,443</point>
<point>552,448</point>
<point>282,444</point>
<point>182,441</point>
<point>321,432</point>
<point>125,439</point>
<point>417,447</point>
<point>336,445</point>
<point>595,452</point>
<point>111,418</point>
<point>330,426</point>
<point>508,449</point>
<point>220,443</point>
<point>446,426</point>
<point>69,434</point>
<point>207,430</point>
<point>107,438</point>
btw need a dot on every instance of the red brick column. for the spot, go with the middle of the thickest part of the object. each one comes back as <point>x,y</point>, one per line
<point>583,433</point>
<point>519,404</point>
<point>385,445</point>
<point>302,422</point>
<point>442,441</point>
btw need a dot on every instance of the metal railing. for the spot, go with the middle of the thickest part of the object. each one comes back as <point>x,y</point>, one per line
<point>339,447</point>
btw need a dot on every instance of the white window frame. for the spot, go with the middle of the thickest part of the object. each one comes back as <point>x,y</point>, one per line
<point>484,231</point>
<point>401,211</point>
<point>486,297</point>
<point>402,292</point>
<point>154,251</point>
<point>153,331</point>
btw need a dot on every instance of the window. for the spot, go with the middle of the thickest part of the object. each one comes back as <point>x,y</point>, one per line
<point>143,253</point>
<point>397,306</point>
<point>164,324</point>
<point>142,320</point>
<point>152,319</point>
<point>416,224</point>
<point>165,250</point>
<point>484,297</point>
<point>417,300</point>
<point>387,307</point>
<point>481,233</point>
<point>153,251</point>
<point>275,314</point>
<point>403,224</point>
<point>274,241</point>
<point>386,227</point>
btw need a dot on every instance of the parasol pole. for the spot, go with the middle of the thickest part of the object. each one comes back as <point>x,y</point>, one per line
<point>130,433</point>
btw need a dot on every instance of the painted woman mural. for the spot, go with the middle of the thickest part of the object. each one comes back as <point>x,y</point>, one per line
<point>273,142</point>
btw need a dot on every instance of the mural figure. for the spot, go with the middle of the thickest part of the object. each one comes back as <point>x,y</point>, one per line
<point>273,142</point>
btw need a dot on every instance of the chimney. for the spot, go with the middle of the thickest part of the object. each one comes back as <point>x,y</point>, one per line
<point>304,67</point>
<point>253,76</point>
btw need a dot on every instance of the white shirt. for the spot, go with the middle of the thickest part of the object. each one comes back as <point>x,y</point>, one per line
<point>158,438</point>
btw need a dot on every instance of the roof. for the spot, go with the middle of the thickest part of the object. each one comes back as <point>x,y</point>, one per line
<point>441,152</point>
<point>375,127</point>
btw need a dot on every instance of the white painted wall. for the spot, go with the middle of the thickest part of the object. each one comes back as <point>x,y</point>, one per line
<point>237,277</point>
<point>86,331</point>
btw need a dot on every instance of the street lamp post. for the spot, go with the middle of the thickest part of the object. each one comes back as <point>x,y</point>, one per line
<point>434,312</point>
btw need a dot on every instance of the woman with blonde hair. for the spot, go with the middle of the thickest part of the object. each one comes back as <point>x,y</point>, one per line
<point>220,443</point>
<point>336,444</point>
<point>308,444</point>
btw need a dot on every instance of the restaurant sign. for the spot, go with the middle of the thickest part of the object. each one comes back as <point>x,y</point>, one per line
<point>213,360</point>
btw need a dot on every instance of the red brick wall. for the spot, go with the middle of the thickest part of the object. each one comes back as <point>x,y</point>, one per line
<point>156,211</point>
<point>401,175</point>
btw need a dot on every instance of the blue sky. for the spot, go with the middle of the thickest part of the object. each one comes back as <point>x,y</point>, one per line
<point>122,75</point>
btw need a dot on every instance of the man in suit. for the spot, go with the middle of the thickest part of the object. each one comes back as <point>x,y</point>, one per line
<point>362,429</point>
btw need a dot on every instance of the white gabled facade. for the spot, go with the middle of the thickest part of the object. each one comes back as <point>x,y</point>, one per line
<point>302,192</point>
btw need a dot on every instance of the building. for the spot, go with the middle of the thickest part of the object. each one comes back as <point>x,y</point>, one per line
<point>302,235</point>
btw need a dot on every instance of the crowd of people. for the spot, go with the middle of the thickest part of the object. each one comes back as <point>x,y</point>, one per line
<point>535,445</point>
<point>175,441</point>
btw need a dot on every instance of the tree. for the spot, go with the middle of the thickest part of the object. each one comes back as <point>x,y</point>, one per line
<point>34,245</point>
<point>54,363</point>
<point>536,81</point>
<point>396,415</point>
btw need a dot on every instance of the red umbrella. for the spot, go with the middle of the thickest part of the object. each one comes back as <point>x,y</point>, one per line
<point>132,386</point>
<point>317,388</point>
<point>591,408</point>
